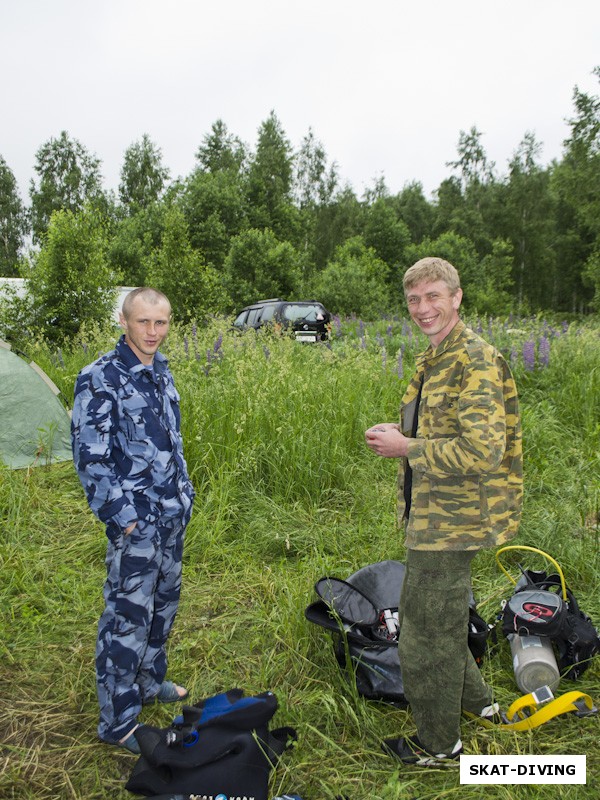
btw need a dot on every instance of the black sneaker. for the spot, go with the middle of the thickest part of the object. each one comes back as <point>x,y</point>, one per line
<point>411,751</point>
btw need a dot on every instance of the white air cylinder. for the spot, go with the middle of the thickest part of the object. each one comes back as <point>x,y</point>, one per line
<point>534,662</point>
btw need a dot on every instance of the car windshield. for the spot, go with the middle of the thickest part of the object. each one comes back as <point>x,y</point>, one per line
<point>310,312</point>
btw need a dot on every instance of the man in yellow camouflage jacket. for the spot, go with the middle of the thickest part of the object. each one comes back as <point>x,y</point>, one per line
<point>461,486</point>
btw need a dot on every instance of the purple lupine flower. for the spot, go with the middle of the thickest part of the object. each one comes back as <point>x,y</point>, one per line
<point>406,329</point>
<point>389,330</point>
<point>379,339</point>
<point>206,367</point>
<point>479,327</point>
<point>400,365</point>
<point>195,340</point>
<point>363,343</point>
<point>514,356</point>
<point>361,328</point>
<point>186,345</point>
<point>218,343</point>
<point>337,324</point>
<point>565,326</point>
<point>544,352</point>
<point>529,354</point>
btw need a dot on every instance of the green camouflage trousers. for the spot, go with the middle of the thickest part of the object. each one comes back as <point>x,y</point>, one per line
<point>440,675</point>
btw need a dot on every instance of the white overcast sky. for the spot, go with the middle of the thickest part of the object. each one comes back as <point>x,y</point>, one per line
<point>385,85</point>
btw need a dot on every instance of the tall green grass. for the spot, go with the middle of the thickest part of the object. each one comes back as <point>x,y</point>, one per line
<point>287,492</point>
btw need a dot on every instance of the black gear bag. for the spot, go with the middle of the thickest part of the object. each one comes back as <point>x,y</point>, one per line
<point>537,609</point>
<point>361,614</point>
<point>221,746</point>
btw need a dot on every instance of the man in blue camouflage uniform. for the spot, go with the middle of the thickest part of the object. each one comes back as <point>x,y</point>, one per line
<point>128,453</point>
<point>460,489</point>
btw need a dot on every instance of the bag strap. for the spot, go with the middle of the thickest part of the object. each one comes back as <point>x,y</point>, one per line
<point>527,713</point>
<point>282,739</point>
<point>346,601</point>
<point>553,581</point>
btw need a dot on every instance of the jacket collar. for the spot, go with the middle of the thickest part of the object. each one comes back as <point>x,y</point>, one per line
<point>132,362</point>
<point>434,352</point>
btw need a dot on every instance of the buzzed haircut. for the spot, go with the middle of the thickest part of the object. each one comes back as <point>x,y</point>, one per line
<point>148,295</point>
<point>432,269</point>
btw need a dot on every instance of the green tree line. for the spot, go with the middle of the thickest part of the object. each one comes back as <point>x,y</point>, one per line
<point>263,221</point>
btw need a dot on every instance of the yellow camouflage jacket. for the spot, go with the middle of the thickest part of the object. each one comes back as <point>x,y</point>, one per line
<point>467,484</point>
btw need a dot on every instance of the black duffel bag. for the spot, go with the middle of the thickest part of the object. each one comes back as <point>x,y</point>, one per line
<point>220,746</point>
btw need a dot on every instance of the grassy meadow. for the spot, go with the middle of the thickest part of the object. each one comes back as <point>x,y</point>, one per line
<point>287,492</point>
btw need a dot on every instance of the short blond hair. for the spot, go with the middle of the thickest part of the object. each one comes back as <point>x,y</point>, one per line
<point>146,293</point>
<point>432,269</point>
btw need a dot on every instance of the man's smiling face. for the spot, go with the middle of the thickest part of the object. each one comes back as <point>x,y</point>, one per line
<point>433,309</point>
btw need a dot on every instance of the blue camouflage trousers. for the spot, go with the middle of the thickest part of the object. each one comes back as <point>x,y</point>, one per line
<point>141,596</point>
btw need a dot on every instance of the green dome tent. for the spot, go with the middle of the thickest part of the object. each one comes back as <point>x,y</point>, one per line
<point>34,424</point>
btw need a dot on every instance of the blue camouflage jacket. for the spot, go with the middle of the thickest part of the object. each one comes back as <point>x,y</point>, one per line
<point>127,445</point>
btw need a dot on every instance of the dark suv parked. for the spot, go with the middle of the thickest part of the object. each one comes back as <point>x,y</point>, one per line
<point>307,318</point>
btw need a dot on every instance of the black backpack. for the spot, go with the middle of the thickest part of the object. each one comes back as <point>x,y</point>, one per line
<point>537,609</point>
<point>221,746</point>
<point>360,612</point>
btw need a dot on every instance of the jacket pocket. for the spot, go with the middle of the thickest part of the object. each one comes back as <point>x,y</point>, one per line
<point>440,415</point>
<point>457,502</point>
<point>135,414</point>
